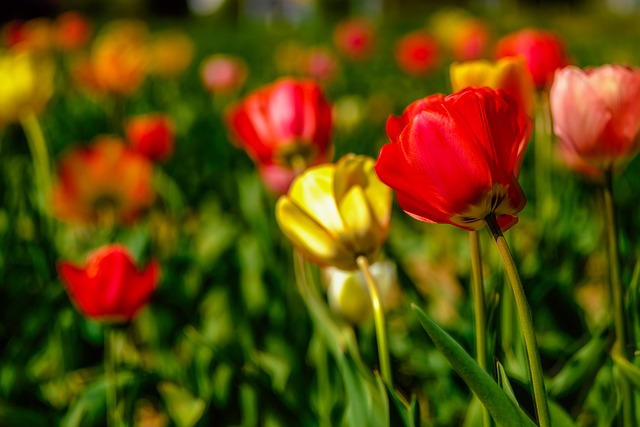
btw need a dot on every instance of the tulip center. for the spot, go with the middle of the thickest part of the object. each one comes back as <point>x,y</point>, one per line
<point>296,156</point>
<point>495,201</point>
<point>106,208</point>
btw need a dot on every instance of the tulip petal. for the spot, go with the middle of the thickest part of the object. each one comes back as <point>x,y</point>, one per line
<point>313,193</point>
<point>356,215</point>
<point>579,113</point>
<point>80,288</point>
<point>310,236</point>
<point>140,290</point>
<point>619,88</point>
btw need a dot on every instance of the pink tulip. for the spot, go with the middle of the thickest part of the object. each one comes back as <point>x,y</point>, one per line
<point>596,115</point>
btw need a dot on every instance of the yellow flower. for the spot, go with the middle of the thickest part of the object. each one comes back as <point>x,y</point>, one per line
<point>334,213</point>
<point>348,295</point>
<point>509,74</point>
<point>26,84</point>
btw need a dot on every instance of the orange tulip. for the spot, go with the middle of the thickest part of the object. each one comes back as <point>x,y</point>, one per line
<point>105,182</point>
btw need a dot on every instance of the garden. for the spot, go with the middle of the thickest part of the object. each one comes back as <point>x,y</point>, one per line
<point>315,214</point>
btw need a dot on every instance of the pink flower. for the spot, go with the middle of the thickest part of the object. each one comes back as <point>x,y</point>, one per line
<point>223,73</point>
<point>596,116</point>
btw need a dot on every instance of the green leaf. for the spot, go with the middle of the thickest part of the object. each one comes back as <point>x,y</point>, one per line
<point>497,402</point>
<point>503,382</point>
<point>582,364</point>
<point>184,409</point>
<point>559,417</point>
<point>402,413</point>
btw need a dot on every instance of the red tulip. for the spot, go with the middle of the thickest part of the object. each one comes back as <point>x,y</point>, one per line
<point>417,53</point>
<point>72,31</point>
<point>355,38</point>
<point>151,135</point>
<point>596,116</point>
<point>284,127</point>
<point>455,159</point>
<point>109,288</point>
<point>543,51</point>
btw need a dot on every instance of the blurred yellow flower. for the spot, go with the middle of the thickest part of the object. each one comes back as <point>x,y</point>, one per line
<point>170,53</point>
<point>334,213</point>
<point>509,74</point>
<point>26,84</point>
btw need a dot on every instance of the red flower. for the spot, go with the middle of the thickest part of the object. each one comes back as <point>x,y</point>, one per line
<point>151,135</point>
<point>543,51</point>
<point>109,288</point>
<point>596,116</point>
<point>454,159</point>
<point>72,31</point>
<point>105,182</point>
<point>354,38</point>
<point>417,53</point>
<point>284,127</point>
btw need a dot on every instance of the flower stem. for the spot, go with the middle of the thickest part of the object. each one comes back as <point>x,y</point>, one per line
<point>110,377</point>
<point>479,310</point>
<point>526,323</point>
<point>39,155</point>
<point>617,295</point>
<point>542,156</point>
<point>378,317</point>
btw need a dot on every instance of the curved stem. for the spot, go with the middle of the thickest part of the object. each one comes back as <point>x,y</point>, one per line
<point>617,294</point>
<point>479,310</point>
<point>378,317</point>
<point>40,156</point>
<point>526,323</point>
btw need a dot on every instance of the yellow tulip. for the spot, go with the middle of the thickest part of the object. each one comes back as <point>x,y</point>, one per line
<point>26,84</point>
<point>334,213</point>
<point>509,74</point>
<point>348,295</point>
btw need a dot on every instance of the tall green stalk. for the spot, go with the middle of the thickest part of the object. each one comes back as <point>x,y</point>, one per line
<point>526,323</point>
<point>378,318</point>
<point>40,157</point>
<point>479,310</point>
<point>617,295</point>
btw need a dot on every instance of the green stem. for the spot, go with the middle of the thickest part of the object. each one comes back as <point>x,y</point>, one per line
<point>113,419</point>
<point>617,294</point>
<point>378,317</point>
<point>40,157</point>
<point>526,323</point>
<point>542,155</point>
<point>479,310</point>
